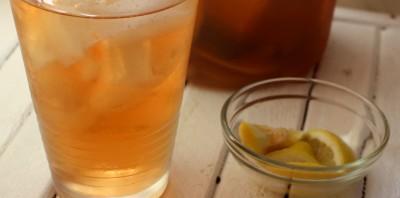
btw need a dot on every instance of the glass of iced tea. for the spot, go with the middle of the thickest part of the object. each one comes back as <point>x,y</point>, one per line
<point>106,79</point>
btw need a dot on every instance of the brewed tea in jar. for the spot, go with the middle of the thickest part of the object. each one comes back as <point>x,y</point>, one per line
<point>242,41</point>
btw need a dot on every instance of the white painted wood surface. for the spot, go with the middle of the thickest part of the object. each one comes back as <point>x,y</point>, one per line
<point>8,36</point>
<point>363,54</point>
<point>387,94</point>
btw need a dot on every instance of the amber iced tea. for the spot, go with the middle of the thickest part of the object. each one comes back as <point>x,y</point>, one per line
<point>107,89</point>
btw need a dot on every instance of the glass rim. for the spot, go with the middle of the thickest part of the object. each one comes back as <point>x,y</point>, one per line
<point>233,141</point>
<point>42,6</point>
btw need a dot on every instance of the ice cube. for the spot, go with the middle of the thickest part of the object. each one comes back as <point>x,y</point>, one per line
<point>139,58</point>
<point>124,72</point>
<point>170,49</point>
<point>125,61</point>
<point>49,42</point>
<point>59,96</point>
<point>61,37</point>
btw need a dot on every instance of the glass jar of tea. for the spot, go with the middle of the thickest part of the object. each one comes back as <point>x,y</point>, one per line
<point>241,41</point>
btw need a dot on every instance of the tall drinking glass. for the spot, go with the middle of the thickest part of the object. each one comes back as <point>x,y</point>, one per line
<point>106,79</point>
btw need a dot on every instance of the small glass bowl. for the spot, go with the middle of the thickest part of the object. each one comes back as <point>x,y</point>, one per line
<point>305,104</point>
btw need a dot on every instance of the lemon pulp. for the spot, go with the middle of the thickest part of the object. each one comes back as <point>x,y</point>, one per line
<point>264,139</point>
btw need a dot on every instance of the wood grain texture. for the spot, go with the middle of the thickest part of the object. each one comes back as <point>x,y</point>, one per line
<point>14,99</point>
<point>350,57</point>
<point>237,182</point>
<point>23,166</point>
<point>199,145</point>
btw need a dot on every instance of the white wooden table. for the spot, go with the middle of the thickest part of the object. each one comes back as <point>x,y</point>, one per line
<point>363,54</point>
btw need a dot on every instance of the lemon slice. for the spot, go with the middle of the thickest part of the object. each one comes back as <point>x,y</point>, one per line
<point>328,148</point>
<point>300,152</point>
<point>264,139</point>
<point>254,136</point>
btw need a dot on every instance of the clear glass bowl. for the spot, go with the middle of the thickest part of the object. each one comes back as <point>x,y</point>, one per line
<point>305,104</point>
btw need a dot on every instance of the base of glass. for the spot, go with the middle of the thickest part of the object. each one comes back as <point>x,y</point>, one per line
<point>153,191</point>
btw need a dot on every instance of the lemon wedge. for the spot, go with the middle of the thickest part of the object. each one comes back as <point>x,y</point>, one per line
<point>264,139</point>
<point>254,136</point>
<point>298,153</point>
<point>328,148</point>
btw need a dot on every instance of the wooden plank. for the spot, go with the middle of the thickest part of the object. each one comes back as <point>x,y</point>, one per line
<point>8,35</point>
<point>351,56</point>
<point>22,159</point>
<point>14,99</point>
<point>384,180</point>
<point>198,152</point>
<point>237,182</point>
<point>23,166</point>
<point>349,61</point>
